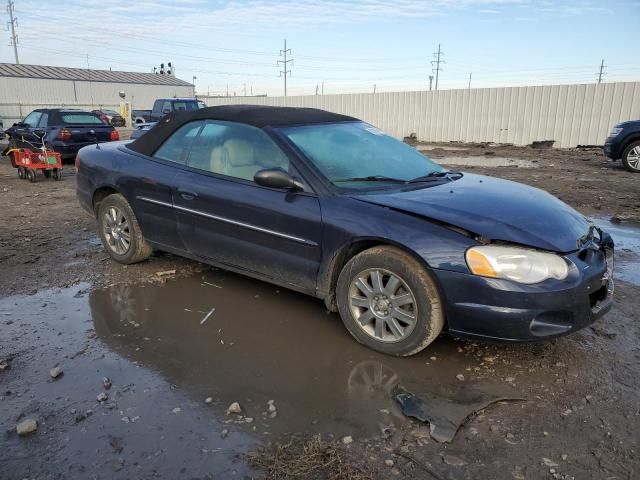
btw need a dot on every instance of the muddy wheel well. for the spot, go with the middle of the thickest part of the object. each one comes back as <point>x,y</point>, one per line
<point>99,195</point>
<point>341,259</point>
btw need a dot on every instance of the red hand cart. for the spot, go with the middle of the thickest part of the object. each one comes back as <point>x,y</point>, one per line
<point>29,162</point>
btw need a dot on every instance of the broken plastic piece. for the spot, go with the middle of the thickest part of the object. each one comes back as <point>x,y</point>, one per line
<point>445,415</point>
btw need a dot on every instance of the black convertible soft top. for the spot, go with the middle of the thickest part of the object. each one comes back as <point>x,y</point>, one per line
<point>257,115</point>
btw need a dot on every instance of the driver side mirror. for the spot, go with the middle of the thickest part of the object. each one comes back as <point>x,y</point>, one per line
<point>166,111</point>
<point>277,178</point>
<point>20,125</point>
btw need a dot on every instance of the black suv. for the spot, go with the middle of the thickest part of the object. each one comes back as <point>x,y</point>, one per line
<point>624,143</point>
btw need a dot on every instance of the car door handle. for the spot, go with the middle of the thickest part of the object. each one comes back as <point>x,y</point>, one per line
<point>186,194</point>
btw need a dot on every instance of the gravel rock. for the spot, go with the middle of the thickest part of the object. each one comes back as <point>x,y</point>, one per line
<point>453,460</point>
<point>224,433</point>
<point>176,410</point>
<point>347,439</point>
<point>460,377</point>
<point>208,400</point>
<point>26,427</point>
<point>389,463</point>
<point>106,382</point>
<point>548,462</point>
<point>4,365</point>
<point>102,397</point>
<point>56,372</point>
<point>234,408</point>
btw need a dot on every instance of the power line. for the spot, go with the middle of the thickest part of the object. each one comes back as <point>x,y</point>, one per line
<point>12,24</point>
<point>601,72</point>
<point>437,62</point>
<point>285,64</point>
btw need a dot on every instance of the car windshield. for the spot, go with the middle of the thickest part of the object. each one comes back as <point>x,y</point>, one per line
<point>110,112</point>
<point>358,155</point>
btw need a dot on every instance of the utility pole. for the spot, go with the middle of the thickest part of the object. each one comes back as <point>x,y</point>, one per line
<point>601,72</point>
<point>317,87</point>
<point>13,23</point>
<point>322,89</point>
<point>285,65</point>
<point>430,82</point>
<point>244,89</point>
<point>374,88</point>
<point>469,81</point>
<point>227,89</point>
<point>435,64</point>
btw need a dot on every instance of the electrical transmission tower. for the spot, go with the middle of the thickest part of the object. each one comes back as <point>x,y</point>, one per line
<point>435,64</point>
<point>286,71</point>
<point>601,71</point>
<point>11,26</point>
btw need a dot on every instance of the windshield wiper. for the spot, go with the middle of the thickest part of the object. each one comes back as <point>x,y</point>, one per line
<point>371,178</point>
<point>436,176</point>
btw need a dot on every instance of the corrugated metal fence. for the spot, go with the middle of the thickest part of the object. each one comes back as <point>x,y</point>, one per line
<point>569,114</point>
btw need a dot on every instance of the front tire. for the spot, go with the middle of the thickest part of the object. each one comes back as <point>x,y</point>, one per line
<point>631,157</point>
<point>389,302</point>
<point>120,232</point>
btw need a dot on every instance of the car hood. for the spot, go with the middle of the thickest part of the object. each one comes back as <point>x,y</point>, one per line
<point>493,208</point>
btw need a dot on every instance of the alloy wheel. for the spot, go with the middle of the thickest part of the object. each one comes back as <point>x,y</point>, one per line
<point>383,305</point>
<point>116,231</point>
<point>633,158</point>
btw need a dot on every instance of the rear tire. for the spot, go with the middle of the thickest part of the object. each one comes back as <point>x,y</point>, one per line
<point>389,302</point>
<point>31,175</point>
<point>631,157</point>
<point>21,173</point>
<point>57,174</point>
<point>120,232</point>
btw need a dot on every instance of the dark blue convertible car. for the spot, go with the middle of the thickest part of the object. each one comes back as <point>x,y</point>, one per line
<point>331,206</point>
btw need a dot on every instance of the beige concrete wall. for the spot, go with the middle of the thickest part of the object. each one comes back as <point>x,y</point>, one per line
<point>569,114</point>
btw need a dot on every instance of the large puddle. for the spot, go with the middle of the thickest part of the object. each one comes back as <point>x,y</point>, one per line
<point>239,340</point>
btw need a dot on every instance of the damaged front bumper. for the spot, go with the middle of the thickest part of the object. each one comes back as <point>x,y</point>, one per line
<point>505,311</point>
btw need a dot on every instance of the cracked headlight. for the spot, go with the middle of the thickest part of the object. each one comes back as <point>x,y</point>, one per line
<point>518,264</point>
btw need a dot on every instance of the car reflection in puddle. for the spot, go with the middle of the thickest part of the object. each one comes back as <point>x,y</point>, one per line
<point>239,340</point>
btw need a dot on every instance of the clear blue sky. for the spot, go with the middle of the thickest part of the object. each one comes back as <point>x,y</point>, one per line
<point>350,46</point>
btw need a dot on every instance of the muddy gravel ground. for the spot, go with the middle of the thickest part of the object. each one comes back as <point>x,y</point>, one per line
<point>153,356</point>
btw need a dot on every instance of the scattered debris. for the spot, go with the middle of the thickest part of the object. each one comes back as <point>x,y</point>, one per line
<point>234,408</point>
<point>389,463</point>
<point>445,417</point>
<point>26,427</point>
<point>4,365</point>
<point>102,397</point>
<point>106,382</point>
<point>212,284</point>
<point>165,273</point>
<point>347,439</point>
<point>208,400</point>
<point>460,377</point>
<point>55,372</point>
<point>207,315</point>
<point>548,462</point>
<point>176,410</point>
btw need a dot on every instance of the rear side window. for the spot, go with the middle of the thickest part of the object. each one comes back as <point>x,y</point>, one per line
<point>80,119</point>
<point>176,147</point>
<point>182,106</point>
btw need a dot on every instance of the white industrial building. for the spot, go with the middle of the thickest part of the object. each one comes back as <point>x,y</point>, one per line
<point>26,87</point>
